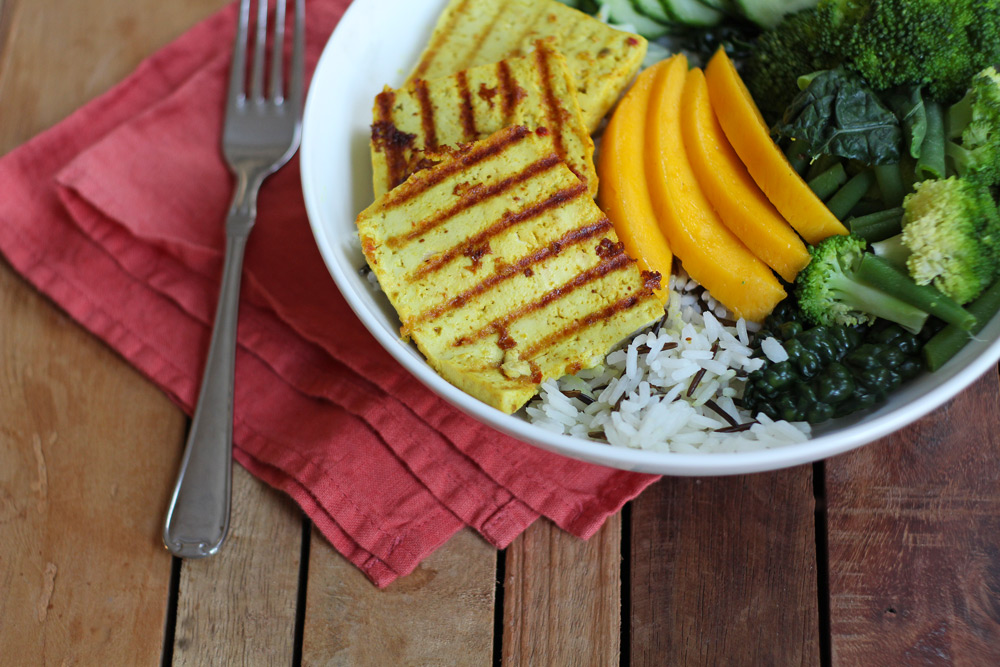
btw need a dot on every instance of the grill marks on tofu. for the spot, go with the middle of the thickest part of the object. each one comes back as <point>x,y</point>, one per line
<point>503,271</point>
<point>602,60</point>
<point>428,118</point>
<point>468,115</point>
<point>500,326</point>
<point>472,194</point>
<point>509,219</point>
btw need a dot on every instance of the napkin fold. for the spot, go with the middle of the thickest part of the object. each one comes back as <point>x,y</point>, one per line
<point>116,214</point>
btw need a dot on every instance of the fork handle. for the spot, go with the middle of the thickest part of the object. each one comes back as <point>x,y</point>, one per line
<point>198,518</point>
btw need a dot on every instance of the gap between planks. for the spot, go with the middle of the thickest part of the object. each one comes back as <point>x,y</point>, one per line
<point>240,606</point>
<point>822,563</point>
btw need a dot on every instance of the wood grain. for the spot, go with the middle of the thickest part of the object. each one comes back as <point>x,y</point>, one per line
<point>84,573</point>
<point>562,597</point>
<point>724,571</point>
<point>5,18</point>
<point>914,540</point>
<point>238,607</point>
<point>439,614</point>
<point>87,450</point>
<point>61,54</point>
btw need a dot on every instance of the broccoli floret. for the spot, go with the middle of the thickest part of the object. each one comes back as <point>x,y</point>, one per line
<point>984,22</point>
<point>895,42</point>
<point>974,130</point>
<point>951,228</point>
<point>938,43</point>
<point>830,293</point>
<point>780,56</point>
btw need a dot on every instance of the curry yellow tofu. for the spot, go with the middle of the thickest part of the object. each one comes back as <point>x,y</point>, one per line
<point>414,125</point>
<point>503,270</point>
<point>603,60</point>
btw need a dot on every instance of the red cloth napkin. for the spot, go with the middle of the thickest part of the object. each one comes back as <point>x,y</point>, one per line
<point>117,215</point>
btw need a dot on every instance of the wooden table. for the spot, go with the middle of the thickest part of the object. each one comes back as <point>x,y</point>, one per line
<point>887,556</point>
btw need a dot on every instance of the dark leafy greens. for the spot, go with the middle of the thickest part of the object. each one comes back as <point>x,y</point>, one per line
<point>837,114</point>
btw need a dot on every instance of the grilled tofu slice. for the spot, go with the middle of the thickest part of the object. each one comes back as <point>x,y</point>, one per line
<point>503,270</point>
<point>603,60</point>
<point>415,124</point>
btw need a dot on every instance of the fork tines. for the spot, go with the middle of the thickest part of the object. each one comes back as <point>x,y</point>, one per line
<point>238,76</point>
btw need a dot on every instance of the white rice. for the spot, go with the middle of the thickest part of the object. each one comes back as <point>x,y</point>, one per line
<point>773,349</point>
<point>664,390</point>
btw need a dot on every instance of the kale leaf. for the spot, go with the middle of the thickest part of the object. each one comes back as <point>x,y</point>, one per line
<point>838,114</point>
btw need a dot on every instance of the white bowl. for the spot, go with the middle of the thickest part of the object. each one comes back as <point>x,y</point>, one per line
<point>376,43</point>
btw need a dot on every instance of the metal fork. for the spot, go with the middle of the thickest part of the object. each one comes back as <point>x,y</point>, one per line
<point>260,134</point>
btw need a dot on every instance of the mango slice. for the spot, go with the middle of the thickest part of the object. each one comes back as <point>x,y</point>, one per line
<point>623,193</point>
<point>748,133</point>
<point>729,187</point>
<point>709,251</point>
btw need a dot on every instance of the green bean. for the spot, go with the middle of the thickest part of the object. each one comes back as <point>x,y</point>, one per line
<point>867,207</point>
<point>878,272</point>
<point>877,226</point>
<point>949,341</point>
<point>805,79</point>
<point>890,183</point>
<point>828,182</point>
<point>931,163</point>
<point>850,193</point>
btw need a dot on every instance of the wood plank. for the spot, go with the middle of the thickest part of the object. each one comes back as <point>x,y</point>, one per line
<point>439,614</point>
<point>5,16</point>
<point>914,540</point>
<point>724,571</point>
<point>88,448</point>
<point>87,453</point>
<point>562,597</point>
<point>100,42</point>
<point>238,607</point>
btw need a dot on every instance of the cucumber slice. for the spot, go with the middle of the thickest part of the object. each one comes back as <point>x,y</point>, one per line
<point>768,13</point>
<point>692,13</point>
<point>654,10</point>
<point>622,12</point>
